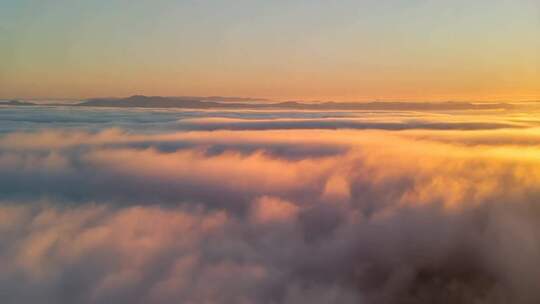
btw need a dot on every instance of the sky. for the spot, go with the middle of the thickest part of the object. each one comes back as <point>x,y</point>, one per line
<point>312,50</point>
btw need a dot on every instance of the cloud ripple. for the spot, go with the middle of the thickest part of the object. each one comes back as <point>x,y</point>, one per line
<point>271,215</point>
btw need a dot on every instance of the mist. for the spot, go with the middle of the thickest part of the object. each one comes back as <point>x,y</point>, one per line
<point>125,206</point>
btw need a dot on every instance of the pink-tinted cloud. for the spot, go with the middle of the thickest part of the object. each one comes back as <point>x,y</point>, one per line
<point>270,216</point>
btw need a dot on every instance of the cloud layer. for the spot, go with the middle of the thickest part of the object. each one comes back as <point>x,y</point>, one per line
<point>145,211</point>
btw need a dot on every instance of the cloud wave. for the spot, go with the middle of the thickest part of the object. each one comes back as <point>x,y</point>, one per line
<point>276,215</point>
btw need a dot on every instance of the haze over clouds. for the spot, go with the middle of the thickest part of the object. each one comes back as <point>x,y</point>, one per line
<point>125,206</point>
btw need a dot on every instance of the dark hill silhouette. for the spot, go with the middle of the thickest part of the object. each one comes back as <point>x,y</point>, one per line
<point>16,103</point>
<point>218,102</point>
<point>140,101</point>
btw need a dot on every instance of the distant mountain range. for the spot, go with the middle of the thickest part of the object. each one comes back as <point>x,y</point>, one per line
<point>217,102</point>
<point>16,103</point>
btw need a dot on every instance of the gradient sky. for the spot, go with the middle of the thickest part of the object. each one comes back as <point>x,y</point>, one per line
<point>317,49</point>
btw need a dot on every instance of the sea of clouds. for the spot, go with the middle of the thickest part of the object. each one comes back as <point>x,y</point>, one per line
<point>132,206</point>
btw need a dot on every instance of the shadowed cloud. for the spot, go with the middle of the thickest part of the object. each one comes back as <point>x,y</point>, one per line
<point>272,215</point>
